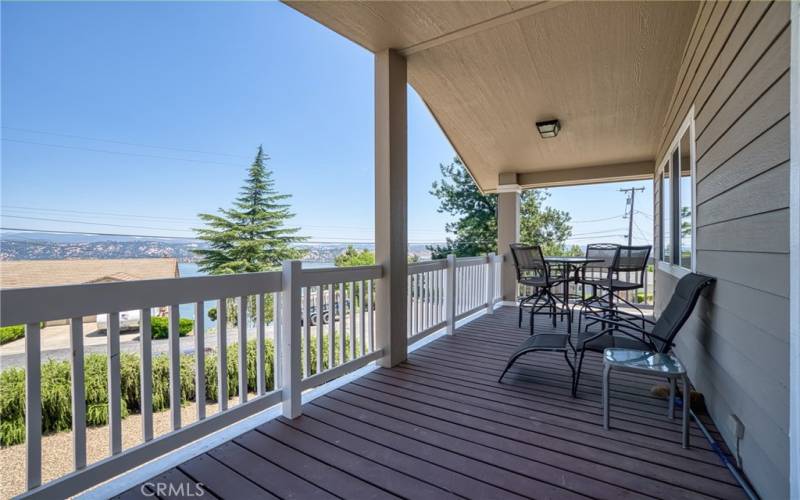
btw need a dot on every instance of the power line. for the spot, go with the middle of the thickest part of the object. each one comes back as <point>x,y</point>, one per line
<point>110,214</point>
<point>111,141</point>
<point>644,235</point>
<point>123,153</point>
<point>598,232</point>
<point>93,223</point>
<point>19,208</point>
<point>90,233</point>
<point>629,212</point>
<point>162,237</point>
<point>622,216</point>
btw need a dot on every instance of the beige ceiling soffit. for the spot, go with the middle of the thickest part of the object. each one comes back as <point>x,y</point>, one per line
<point>482,26</point>
<point>452,145</point>
<point>639,170</point>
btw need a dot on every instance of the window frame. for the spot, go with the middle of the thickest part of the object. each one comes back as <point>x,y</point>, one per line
<point>673,266</point>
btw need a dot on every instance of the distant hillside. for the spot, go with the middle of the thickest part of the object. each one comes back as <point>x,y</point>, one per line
<point>37,246</point>
<point>36,250</point>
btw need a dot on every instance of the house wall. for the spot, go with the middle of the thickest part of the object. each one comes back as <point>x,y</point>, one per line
<point>735,74</point>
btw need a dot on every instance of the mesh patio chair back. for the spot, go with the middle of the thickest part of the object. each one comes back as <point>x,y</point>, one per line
<point>529,262</point>
<point>605,251</point>
<point>631,259</point>
<point>687,293</point>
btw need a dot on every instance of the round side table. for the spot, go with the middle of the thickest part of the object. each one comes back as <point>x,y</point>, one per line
<point>652,363</point>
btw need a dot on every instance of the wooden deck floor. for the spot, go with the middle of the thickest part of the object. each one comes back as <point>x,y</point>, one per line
<point>440,426</point>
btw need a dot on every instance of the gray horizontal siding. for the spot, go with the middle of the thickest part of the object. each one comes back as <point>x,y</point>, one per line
<point>765,152</point>
<point>766,192</point>
<point>735,74</point>
<point>764,272</point>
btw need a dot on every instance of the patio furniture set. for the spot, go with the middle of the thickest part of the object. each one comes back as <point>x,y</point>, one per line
<point>628,340</point>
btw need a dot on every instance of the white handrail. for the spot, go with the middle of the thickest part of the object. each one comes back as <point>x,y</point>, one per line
<point>29,305</point>
<point>440,292</point>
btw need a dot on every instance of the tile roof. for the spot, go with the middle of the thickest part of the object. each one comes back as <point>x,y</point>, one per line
<point>33,273</point>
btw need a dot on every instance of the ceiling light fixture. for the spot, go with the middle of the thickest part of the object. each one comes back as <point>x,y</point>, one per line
<point>549,128</point>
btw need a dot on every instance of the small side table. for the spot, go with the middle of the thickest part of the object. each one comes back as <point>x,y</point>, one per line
<point>651,363</point>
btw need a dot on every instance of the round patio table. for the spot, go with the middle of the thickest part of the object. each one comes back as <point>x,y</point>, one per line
<point>570,265</point>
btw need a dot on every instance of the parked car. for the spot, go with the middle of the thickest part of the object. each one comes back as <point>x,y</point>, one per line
<point>128,320</point>
<point>313,315</point>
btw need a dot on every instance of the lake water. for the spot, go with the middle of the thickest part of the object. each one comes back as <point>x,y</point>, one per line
<point>189,269</point>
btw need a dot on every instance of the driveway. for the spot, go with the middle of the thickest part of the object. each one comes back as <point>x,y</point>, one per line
<point>55,343</point>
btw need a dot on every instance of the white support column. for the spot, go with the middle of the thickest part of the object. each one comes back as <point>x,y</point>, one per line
<point>490,277</point>
<point>391,205</point>
<point>450,295</point>
<point>290,338</point>
<point>507,233</point>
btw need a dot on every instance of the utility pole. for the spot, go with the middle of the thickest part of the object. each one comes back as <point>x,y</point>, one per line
<point>629,212</point>
<point>629,209</point>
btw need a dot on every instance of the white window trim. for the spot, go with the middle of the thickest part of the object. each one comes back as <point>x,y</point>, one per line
<point>668,267</point>
<point>794,258</point>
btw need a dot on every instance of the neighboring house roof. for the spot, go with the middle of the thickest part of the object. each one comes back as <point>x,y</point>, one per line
<point>33,273</point>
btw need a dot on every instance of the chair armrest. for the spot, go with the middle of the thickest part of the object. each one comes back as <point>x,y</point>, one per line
<point>623,323</point>
<point>623,313</point>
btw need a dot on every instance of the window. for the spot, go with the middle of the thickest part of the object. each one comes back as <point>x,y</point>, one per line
<point>676,199</point>
<point>685,197</point>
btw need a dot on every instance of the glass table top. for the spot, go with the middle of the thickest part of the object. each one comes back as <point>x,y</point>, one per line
<point>643,360</point>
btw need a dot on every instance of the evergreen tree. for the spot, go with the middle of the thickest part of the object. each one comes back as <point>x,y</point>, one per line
<point>251,236</point>
<point>352,257</point>
<point>475,230</point>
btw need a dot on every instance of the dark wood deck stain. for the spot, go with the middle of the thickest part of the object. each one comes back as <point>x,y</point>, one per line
<point>440,426</point>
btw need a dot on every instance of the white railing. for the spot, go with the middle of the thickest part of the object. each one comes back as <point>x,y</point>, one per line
<point>324,327</point>
<point>441,292</point>
<point>30,306</point>
<point>345,332</point>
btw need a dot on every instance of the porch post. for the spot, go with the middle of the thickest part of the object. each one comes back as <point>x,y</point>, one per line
<point>507,232</point>
<point>290,367</point>
<point>391,205</point>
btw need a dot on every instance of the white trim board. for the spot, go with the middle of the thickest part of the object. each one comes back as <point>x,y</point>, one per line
<point>677,270</point>
<point>120,484</point>
<point>794,257</point>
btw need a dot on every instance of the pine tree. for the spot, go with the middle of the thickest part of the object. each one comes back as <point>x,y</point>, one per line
<point>475,227</point>
<point>251,236</point>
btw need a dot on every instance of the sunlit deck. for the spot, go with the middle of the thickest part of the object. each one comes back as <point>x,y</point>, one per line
<point>441,426</point>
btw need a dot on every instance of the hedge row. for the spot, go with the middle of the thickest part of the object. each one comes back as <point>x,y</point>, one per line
<point>11,333</point>
<point>56,394</point>
<point>159,327</point>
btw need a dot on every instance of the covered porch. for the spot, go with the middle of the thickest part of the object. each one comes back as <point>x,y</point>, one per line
<point>439,425</point>
<point>626,80</point>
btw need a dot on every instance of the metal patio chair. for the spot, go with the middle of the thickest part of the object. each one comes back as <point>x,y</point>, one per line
<point>592,273</point>
<point>623,330</point>
<point>630,261</point>
<point>533,272</point>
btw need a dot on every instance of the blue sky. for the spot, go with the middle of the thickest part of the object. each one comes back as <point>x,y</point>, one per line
<point>89,88</point>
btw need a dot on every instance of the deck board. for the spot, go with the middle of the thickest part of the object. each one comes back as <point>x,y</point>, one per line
<point>440,426</point>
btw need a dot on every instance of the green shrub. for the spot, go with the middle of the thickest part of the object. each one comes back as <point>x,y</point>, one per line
<point>159,327</point>
<point>11,333</point>
<point>56,378</point>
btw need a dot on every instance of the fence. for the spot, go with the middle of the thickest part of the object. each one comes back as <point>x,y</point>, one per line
<point>441,292</point>
<point>323,328</point>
